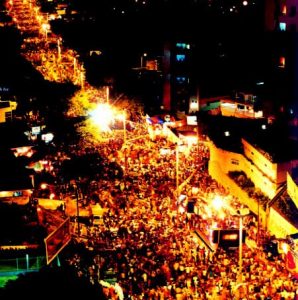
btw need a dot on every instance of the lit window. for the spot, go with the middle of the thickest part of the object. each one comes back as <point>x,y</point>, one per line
<point>284,9</point>
<point>180,57</point>
<point>181,79</point>
<point>282,62</point>
<point>182,45</point>
<point>282,26</point>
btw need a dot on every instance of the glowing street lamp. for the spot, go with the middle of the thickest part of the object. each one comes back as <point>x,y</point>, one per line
<point>177,170</point>
<point>59,49</point>
<point>108,94</point>
<point>218,203</point>
<point>45,27</point>
<point>142,59</point>
<point>178,145</point>
<point>46,186</point>
<point>241,213</point>
<point>102,116</point>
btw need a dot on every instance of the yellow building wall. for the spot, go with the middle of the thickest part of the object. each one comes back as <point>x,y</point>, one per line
<point>219,165</point>
<point>231,161</point>
<point>292,189</point>
<point>2,115</point>
<point>260,160</point>
<point>279,226</point>
<point>12,106</point>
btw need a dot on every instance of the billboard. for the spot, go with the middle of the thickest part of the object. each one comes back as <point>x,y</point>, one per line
<point>228,238</point>
<point>57,240</point>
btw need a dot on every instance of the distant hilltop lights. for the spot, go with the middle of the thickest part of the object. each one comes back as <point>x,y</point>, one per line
<point>226,7</point>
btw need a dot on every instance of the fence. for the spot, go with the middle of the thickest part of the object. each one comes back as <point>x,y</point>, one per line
<point>21,264</point>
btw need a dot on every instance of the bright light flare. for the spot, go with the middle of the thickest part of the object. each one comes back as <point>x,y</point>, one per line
<point>217,203</point>
<point>121,116</point>
<point>102,116</point>
<point>43,186</point>
<point>285,247</point>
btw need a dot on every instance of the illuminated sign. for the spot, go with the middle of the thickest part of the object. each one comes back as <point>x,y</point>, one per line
<point>227,238</point>
<point>36,130</point>
<point>48,137</point>
<point>192,120</point>
<point>4,89</point>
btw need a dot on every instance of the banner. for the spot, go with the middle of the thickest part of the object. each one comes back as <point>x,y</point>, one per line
<point>292,263</point>
<point>57,240</point>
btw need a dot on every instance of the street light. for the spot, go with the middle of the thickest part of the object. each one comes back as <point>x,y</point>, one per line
<point>124,127</point>
<point>177,170</point>
<point>75,186</point>
<point>241,213</point>
<point>142,59</point>
<point>46,27</point>
<point>108,94</point>
<point>78,210</point>
<point>59,40</point>
<point>50,188</point>
<point>102,116</point>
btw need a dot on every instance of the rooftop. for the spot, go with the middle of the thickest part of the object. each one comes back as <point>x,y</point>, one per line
<point>272,140</point>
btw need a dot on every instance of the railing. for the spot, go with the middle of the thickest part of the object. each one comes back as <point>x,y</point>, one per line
<point>16,265</point>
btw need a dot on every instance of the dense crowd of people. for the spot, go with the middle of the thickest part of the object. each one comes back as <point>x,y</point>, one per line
<point>148,239</point>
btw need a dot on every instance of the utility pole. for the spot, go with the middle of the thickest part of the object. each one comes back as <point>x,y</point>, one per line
<point>78,210</point>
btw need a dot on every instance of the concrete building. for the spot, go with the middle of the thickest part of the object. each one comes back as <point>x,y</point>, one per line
<point>6,109</point>
<point>269,166</point>
<point>178,85</point>
<point>281,25</point>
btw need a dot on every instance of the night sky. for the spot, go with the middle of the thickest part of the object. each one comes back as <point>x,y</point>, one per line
<point>226,37</point>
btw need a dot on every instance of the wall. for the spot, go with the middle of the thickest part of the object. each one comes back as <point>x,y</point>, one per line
<point>270,220</point>
<point>231,161</point>
<point>292,189</point>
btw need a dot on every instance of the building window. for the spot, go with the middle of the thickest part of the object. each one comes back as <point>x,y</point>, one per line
<point>282,26</point>
<point>180,57</point>
<point>284,9</point>
<point>282,62</point>
<point>181,79</point>
<point>235,161</point>
<point>183,45</point>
